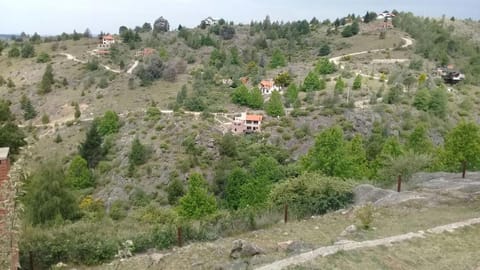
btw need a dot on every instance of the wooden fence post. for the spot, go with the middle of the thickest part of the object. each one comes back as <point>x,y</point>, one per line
<point>179,236</point>
<point>285,217</point>
<point>399,183</point>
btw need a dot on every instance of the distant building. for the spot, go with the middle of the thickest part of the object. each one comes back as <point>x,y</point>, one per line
<point>247,123</point>
<point>386,16</point>
<point>268,86</point>
<point>145,52</point>
<point>209,21</point>
<point>449,74</point>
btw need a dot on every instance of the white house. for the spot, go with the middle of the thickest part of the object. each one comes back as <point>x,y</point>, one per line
<point>268,86</point>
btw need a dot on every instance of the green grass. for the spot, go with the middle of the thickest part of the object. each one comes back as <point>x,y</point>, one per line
<point>458,250</point>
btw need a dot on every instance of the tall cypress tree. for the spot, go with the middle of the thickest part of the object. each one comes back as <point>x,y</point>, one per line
<point>91,149</point>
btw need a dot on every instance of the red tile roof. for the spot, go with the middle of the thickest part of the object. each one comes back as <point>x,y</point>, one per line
<point>254,117</point>
<point>267,83</point>
<point>108,37</point>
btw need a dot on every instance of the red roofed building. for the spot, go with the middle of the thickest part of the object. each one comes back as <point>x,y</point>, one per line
<point>268,86</point>
<point>247,123</point>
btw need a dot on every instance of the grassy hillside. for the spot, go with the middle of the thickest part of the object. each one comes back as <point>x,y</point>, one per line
<point>380,95</point>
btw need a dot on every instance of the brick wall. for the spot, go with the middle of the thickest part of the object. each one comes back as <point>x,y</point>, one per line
<point>8,237</point>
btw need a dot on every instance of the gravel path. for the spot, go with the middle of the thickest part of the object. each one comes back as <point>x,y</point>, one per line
<point>352,245</point>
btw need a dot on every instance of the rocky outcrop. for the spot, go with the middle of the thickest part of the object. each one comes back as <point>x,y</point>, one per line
<point>242,249</point>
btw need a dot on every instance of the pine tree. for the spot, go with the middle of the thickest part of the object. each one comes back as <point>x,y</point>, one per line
<point>278,60</point>
<point>274,106</point>
<point>339,86</point>
<point>29,111</point>
<point>138,153</point>
<point>291,94</point>
<point>175,191</point>
<point>422,99</point>
<point>109,123</point>
<point>91,149</point>
<point>311,82</point>
<point>47,80</point>
<point>357,83</point>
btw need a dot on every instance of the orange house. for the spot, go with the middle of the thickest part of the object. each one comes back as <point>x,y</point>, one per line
<point>247,123</point>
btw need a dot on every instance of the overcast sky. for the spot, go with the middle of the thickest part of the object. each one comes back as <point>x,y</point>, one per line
<point>49,17</point>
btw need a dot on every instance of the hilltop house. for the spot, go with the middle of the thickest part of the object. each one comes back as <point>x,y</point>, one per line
<point>386,16</point>
<point>247,123</point>
<point>268,86</point>
<point>107,41</point>
<point>145,52</point>
<point>209,21</point>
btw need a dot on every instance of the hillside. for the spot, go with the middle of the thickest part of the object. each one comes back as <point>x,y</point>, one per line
<point>137,129</point>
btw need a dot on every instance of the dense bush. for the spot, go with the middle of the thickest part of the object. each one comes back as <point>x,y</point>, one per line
<point>312,194</point>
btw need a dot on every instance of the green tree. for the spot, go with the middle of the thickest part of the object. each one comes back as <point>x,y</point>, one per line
<point>227,146</point>
<point>324,50</point>
<point>109,123</point>
<point>233,188</point>
<point>254,193</point>
<point>357,83</point>
<point>462,144</point>
<point>355,28</point>
<point>48,198</point>
<point>266,167</point>
<point>182,95</point>
<point>419,142</point>
<point>255,99</point>
<point>77,113</point>
<point>347,31</point>
<point>324,66</point>
<point>439,102</point>
<point>175,191</point>
<point>311,82</point>
<point>278,59</point>
<point>14,52</point>
<point>291,94</point>
<point>29,111</point>
<point>339,86</point>
<point>10,134</point>
<point>422,99</point>
<point>240,95</point>
<point>27,50</point>
<point>43,57</point>
<point>274,106</point>
<point>329,155</point>
<point>91,149</point>
<point>47,80</point>
<point>78,174</point>
<point>197,202</point>
<point>358,156</point>
<point>394,94</point>
<point>138,153</point>
<point>283,79</point>
<point>405,165</point>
